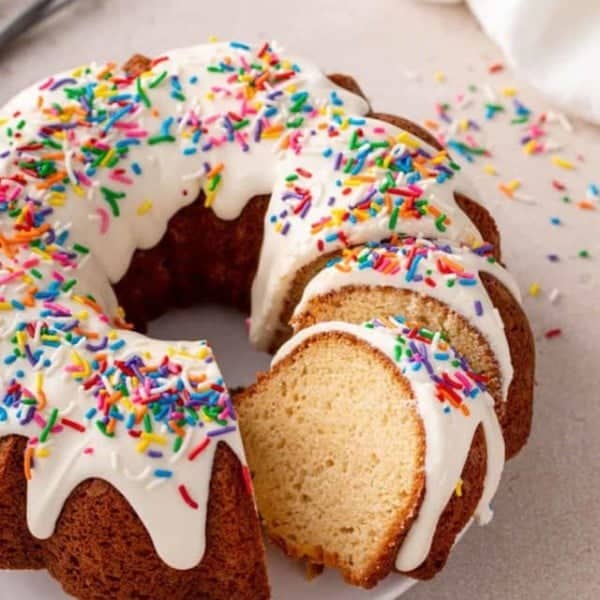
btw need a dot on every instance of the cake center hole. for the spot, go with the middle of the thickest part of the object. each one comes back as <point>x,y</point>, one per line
<point>226,332</point>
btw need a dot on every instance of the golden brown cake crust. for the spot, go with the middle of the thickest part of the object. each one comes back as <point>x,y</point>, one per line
<point>516,414</point>
<point>100,548</point>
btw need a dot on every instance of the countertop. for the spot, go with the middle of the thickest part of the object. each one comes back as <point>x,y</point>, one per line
<point>543,541</point>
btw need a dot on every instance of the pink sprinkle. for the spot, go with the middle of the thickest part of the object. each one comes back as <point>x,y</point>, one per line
<point>82,178</point>
<point>32,262</point>
<point>121,178</point>
<point>47,84</point>
<point>137,133</point>
<point>10,277</point>
<point>104,220</point>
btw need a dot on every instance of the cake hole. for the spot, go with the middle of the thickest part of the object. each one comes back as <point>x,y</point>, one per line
<point>225,330</point>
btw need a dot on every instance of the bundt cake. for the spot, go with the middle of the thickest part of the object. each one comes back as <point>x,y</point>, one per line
<point>146,186</point>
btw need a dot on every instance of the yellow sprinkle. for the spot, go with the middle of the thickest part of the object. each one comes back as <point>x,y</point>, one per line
<point>278,227</point>
<point>144,207</point>
<point>42,452</point>
<point>490,170</point>
<point>5,306</point>
<point>286,64</point>
<point>153,438</point>
<point>82,315</point>
<point>534,289</point>
<point>439,77</point>
<point>464,124</point>
<point>21,339</point>
<point>529,147</point>
<point>210,198</point>
<point>513,185</point>
<point>509,91</point>
<point>56,199</point>
<point>50,338</point>
<point>40,252</point>
<point>142,446</point>
<point>458,489</point>
<point>112,334</point>
<point>108,157</point>
<point>80,362</point>
<point>213,39</point>
<point>39,381</point>
<point>79,191</point>
<point>210,96</point>
<point>290,89</point>
<point>563,163</point>
<point>405,138</point>
<point>3,122</point>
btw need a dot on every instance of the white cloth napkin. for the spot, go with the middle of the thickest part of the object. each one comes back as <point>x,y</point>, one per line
<point>554,44</point>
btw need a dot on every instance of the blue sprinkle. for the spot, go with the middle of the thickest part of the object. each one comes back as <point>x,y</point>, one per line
<point>239,45</point>
<point>163,473</point>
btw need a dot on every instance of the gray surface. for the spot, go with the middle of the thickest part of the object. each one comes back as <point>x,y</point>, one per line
<point>543,542</point>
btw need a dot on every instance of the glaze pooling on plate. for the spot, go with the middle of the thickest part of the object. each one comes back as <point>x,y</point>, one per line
<point>93,163</point>
<point>451,401</point>
<point>437,269</point>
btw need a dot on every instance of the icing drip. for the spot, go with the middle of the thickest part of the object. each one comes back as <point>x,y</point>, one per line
<point>450,414</point>
<point>446,272</point>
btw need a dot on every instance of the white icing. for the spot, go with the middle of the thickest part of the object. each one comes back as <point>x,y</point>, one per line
<point>460,298</point>
<point>448,437</point>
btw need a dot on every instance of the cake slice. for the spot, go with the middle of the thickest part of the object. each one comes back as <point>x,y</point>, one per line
<point>371,447</point>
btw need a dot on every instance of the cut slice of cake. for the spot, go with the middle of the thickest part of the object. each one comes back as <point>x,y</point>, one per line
<point>357,440</point>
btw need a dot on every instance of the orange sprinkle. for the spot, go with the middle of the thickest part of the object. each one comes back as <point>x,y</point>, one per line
<point>586,205</point>
<point>215,170</point>
<point>27,462</point>
<point>178,430</point>
<point>50,181</point>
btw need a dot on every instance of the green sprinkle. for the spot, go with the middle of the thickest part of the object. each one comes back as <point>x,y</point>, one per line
<point>241,124</point>
<point>439,223</point>
<point>81,249</point>
<point>142,94</point>
<point>111,198</point>
<point>158,80</point>
<point>49,425</point>
<point>159,139</point>
<point>297,122</point>
<point>69,285</point>
<point>102,427</point>
<point>393,218</point>
<point>583,254</point>
<point>147,423</point>
<point>177,444</point>
<point>214,182</point>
